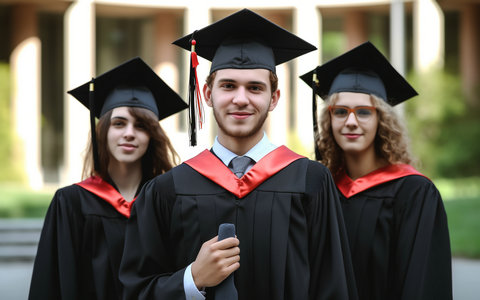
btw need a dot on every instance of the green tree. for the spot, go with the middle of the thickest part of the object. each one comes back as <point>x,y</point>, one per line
<point>9,171</point>
<point>444,129</point>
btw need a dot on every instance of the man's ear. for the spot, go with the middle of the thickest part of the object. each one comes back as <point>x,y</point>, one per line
<point>207,94</point>
<point>274,100</point>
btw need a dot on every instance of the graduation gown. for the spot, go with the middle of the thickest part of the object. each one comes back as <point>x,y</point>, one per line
<point>398,235</point>
<point>81,244</point>
<point>287,218</point>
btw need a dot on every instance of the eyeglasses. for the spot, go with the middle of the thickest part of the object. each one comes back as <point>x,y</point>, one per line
<point>362,113</point>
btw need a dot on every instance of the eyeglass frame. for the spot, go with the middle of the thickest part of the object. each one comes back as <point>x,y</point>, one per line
<point>351,110</point>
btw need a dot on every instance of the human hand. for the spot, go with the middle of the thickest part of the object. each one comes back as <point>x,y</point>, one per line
<point>215,261</point>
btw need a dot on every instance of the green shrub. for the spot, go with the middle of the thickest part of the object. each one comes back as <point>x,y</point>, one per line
<point>443,128</point>
<point>20,202</point>
<point>10,169</point>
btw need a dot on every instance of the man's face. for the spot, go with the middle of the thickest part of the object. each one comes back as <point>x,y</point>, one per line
<point>241,100</point>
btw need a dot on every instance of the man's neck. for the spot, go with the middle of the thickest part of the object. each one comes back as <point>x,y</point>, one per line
<point>240,145</point>
<point>256,153</point>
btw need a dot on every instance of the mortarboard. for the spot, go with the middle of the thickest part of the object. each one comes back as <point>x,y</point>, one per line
<point>243,40</point>
<point>363,69</point>
<point>133,84</point>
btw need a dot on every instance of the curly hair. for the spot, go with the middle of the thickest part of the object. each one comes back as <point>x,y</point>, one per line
<point>391,141</point>
<point>159,157</point>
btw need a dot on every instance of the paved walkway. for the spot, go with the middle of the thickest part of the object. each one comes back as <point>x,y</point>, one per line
<point>15,279</point>
<point>466,279</point>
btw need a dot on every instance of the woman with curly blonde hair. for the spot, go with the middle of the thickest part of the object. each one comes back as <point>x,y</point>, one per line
<point>390,144</point>
<point>394,215</point>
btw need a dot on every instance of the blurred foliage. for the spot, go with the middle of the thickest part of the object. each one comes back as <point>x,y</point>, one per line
<point>455,188</point>
<point>333,43</point>
<point>18,201</point>
<point>444,128</point>
<point>9,171</point>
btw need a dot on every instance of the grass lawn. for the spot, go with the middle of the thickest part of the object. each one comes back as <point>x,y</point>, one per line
<point>461,198</point>
<point>462,204</point>
<point>464,225</point>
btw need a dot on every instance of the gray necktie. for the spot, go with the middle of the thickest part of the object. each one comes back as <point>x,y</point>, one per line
<point>239,165</point>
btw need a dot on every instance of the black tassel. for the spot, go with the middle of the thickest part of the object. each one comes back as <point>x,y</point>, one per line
<point>196,113</point>
<point>191,103</point>
<point>91,105</point>
<point>315,116</point>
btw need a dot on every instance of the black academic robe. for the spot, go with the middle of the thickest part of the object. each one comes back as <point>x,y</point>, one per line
<point>398,235</point>
<point>287,218</point>
<point>81,244</point>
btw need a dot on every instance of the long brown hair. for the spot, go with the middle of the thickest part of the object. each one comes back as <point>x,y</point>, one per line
<point>159,157</point>
<point>391,141</point>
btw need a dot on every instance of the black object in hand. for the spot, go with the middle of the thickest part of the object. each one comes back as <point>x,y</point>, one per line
<point>226,230</point>
<point>226,289</point>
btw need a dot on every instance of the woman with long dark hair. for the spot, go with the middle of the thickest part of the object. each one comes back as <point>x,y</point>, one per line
<point>82,239</point>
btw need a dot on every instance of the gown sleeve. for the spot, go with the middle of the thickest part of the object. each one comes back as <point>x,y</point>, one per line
<point>55,268</point>
<point>423,246</point>
<point>147,269</point>
<point>331,266</point>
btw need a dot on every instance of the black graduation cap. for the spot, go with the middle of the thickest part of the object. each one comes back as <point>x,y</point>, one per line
<point>243,40</point>
<point>132,83</point>
<point>363,69</point>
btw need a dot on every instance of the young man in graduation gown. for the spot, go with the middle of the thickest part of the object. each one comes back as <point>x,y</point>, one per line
<point>290,242</point>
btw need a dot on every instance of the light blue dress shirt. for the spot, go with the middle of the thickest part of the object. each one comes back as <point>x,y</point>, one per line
<point>258,151</point>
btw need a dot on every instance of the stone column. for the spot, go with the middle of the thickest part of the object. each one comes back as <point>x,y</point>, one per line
<point>165,65</point>
<point>25,62</point>
<point>355,28</point>
<point>277,123</point>
<point>428,35</point>
<point>79,67</point>
<point>397,35</point>
<point>469,51</point>
<point>397,42</point>
<point>307,24</point>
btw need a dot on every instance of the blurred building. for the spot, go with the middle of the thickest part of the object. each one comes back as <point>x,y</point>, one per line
<point>52,46</point>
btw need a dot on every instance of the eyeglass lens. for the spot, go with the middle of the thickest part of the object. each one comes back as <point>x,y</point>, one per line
<point>362,113</point>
